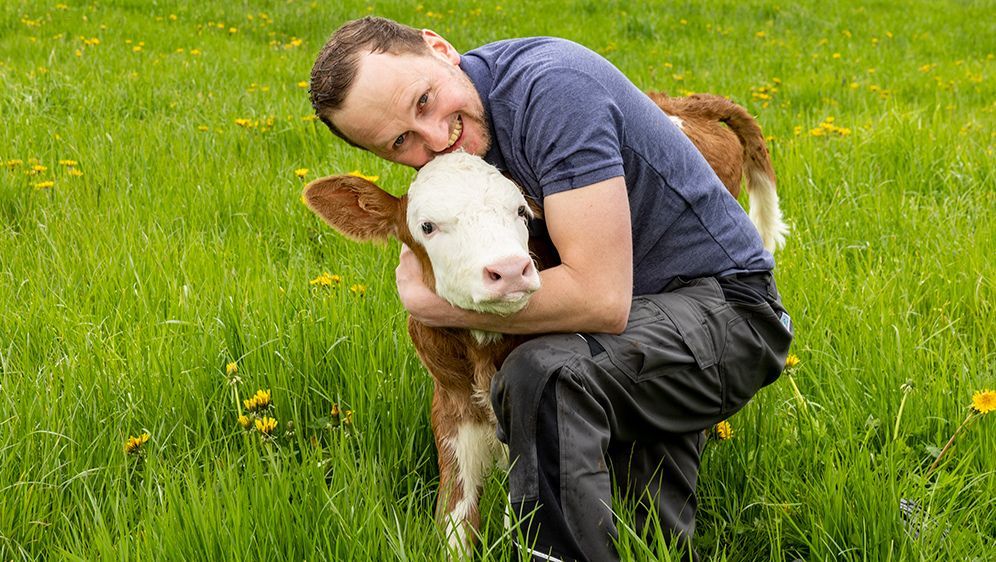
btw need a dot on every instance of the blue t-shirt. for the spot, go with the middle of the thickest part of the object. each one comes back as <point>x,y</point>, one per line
<point>563,117</point>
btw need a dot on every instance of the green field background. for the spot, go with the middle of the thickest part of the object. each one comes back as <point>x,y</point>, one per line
<point>152,232</point>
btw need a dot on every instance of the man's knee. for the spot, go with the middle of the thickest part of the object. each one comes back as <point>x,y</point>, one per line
<point>518,386</point>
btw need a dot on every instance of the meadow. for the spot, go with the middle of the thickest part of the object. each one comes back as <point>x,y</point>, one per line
<point>157,268</point>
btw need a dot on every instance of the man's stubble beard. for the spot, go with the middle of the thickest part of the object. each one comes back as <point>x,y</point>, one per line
<point>480,118</point>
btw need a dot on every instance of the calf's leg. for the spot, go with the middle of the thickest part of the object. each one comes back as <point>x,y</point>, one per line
<point>467,449</point>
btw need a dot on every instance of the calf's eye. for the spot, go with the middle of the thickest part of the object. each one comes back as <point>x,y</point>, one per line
<point>428,227</point>
<point>522,211</point>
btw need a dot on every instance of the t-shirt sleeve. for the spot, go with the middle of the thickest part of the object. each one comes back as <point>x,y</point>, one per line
<point>572,131</point>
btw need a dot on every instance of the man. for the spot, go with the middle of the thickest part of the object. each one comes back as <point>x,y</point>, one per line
<point>662,318</point>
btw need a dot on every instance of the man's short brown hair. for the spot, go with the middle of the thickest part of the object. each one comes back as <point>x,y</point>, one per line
<point>337,63</point>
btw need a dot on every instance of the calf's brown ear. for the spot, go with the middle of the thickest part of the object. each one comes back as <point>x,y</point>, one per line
<point>355,207</point>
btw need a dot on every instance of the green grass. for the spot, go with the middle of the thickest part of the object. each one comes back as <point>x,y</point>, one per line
<point>126,291</point>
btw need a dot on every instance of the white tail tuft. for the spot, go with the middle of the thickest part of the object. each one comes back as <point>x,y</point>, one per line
<point>764,210</point>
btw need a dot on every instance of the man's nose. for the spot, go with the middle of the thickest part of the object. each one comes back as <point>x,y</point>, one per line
<point>437,135</point>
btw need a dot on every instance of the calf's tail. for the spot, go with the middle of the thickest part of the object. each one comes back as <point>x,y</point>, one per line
<point>762,193</point>
<point>760,176</point>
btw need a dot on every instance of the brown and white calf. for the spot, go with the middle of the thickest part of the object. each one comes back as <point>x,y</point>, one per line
<point>466,223</point>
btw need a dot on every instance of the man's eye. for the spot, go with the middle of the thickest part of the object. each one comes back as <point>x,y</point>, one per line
<point>399,141</point>
<point>423,100</point>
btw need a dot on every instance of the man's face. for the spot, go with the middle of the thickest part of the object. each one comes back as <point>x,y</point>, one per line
<point>410,108</point>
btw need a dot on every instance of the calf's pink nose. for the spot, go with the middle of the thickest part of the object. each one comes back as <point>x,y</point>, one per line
<point>510,275</point>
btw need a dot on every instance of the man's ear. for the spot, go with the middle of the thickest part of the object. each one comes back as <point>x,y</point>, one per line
<point>355,207</point>
<point>440,47</point>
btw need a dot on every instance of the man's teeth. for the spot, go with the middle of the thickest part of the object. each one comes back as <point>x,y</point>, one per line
<point>457,129</point>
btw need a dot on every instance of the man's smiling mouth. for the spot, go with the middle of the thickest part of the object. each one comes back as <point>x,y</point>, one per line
<point>457,131</point>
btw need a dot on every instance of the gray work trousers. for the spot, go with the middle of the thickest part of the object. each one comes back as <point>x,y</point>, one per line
<point>577,410</point>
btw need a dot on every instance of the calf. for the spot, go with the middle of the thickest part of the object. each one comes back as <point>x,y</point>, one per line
<point>466,223</point>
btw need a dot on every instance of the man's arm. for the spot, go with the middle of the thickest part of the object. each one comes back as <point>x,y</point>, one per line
<point>590,291</point>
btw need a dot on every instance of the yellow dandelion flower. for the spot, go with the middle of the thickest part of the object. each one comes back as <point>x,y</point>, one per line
<point>231,368</point>
<point>14,163</point>
<point>68,163</point>
<point>335,410</point>
<point>259,401</point>
<point>45,184</point>
<point>245,422</point>
<point>358,290</point>
<point>195,52</point>
<point>303,84</point>
<point>38,168</point>
<point>984,401</point>
<point>301,172</point>
<point>326,280</point>
<point>356,173</point>
<point>724,430</point>
<point>760,34</point>
<point>347,417</point>
<point>233,30</point>
<point>203,128</point>
<point>266,425</point>
<point>134,444</point>
<point>791,361</point>
<point>74,172</point>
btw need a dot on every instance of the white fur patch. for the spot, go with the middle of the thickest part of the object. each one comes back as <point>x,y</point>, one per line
<point>474,213</point>
<point>475,449</point>
<point>677,121</point>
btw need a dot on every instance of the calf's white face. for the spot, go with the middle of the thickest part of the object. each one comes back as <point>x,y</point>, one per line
<point>471,221</point>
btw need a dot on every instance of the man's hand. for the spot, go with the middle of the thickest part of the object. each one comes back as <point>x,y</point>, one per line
<point>418,299</point>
